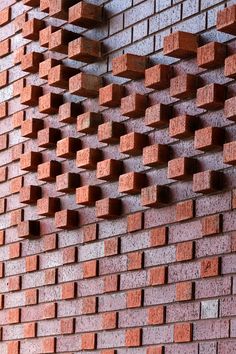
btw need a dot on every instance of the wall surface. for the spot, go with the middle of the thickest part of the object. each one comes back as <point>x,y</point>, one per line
<point>138,262</point>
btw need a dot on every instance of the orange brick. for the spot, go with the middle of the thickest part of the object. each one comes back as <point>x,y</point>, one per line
<point>157,275</point>
<point>134,298</point>
<point>30,330</point>
<point>183,332</point>
<point>185,210</point>
<point>68,291</point>
<point>32,263</point>
<point>184,251</point>
<point>88,341</point>
<point>135,260</point>
<point>90,269</point>
<point>158,236</point>
<point>133,337</point>
<point>184,291</point>
<point>210,267</point>
<point>156,315</point>
<point>109,320</point>
<point>135,222</point>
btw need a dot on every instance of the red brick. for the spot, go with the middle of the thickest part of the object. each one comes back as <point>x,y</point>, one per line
<point>2,269</point>
<point>16,184</point>
<point>59,40</point>
<point>157,116</point>
<point>155,155</point>
<point>133,143</point>
<point>89,305</point>
<point>49,170</point>
<point>5,47</point>
<point>18,87</point>
<point>4,142</point>
<point>3,174</point>
<point>229,153</point>
<point>185,210</point>
<point>154,196</point>
<point>32,3</point>
<point>88,122</point>
<point>30,161</point>
<point>157,275</point>
<point>68,291</point>
<point>48,137</point>
<point>135,260</point>
<point>2,237</point>
<point>14,283</point>
<point>133,337</point>
<point>19,21</point>
<point>134,298</point>
<point>108,208</point>
<point>3,78</point>
<point>180,44</point>
<point>67,326</point>
<point>156,315</point>
<point>226,20</point>
<point>17,119</point>
<point>87,158</point>
<point>49,345</point>
<point>59,9</point>
<point>88,195</point>
<point>111,283</point>
<point>50,310</point>
<point>58,76</point>
<point>68,112</point>
<point>207,182</point>
<point>181,168</point>
<point>1,301</point>
<point>109,170</point>
<point>69,255</point>
<point>13,347</point>
<point>90,269</point>
<point>135,222</point>
<point>183,86</point>
<point>45,66</point>
<point>181,127</point>
<point>158,236</point>
<point>183,332</point>
<point>229,109</point>
<point>211,225</point>
<point>158,77</point>
<point>32,263</point>
<point>67,147</point>
<point>85,85</point>
<point>30,127</point>
<point>5,16</point>
<point>132,182</point>
<point>31,297</point>
<point>49,103</point>
<point>155,350</point>
<point>110,132</point>
<point>134,105</point>
<point>109,320</point>
<point>85,50</point>
<point>211,96</point>
<point>85,15</point>
<point>30,62</point>
<point>16,217</point>
<point>208,138</point>
<point>111,95</point>
<point>210,267</point>
<point>30,330</point>
<point>48,206</point>
<point>184,291</point>
<point>30,228</point>
<point>111,247</point>
<point>184,251</point>
<point>90,232</point>
<point>88,341</point>
<point>211,55</point>
<point>50,242</point>
<point>44,35</point>
<point>3,203</point>
<point>67,182</point>
<point>66,219</point>
<point>3,109</point>
<point>30,95</point>
<point>31,28</point>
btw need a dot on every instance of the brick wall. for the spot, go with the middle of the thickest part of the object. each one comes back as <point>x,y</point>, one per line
<point>117,226</point>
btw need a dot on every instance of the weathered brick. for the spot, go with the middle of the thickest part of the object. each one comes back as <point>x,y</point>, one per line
<point>185,210</point>
<point>110,132</point>
<point>210,267</point>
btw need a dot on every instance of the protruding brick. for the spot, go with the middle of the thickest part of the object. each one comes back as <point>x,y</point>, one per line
<point>50,103</point>
<point>90,232</point>
<point>18,86</point>
<point>49,345</point>
<point>88,341</point>
<point>5,16</point>
<point>31,263</point>
<point>48,206</point>
<point>208,138</point>
<point>30,127</point>
<point>14,283</point>
<point>67,147</point>
<point>184,291</point>
<point>210,267</point>
<point>157,116</point>
<point>30,161</point>
<point>158,77</point>
<point>13,347</point>
<point>15,250</point>
<point>85,15</point>
<point>5,47</point>
<point>207,181</point>
<point>159,236</point>
<point>183,86</point>
<point>58,76</point>
<point>229,153</point>
<point>111,283</point>
<point>17,151</point>
<point>184,251</point>
<point>183,332</point>
<point>111,247</point>
<point>211,96</point>
<point>135,260</point>
<point>90,269</point>
<point>155,350</point>
<point>155,155</point>
<point>31,28</point>
<point>88,158</point>
<point>19,21</point>
<point>154,196</point>
<point>68,291</point>
<point>59,40</point>
<point>132,182</point>
<point>157,275</point>
<point>133,143</point>
<point>85,85</point>
<point>134,105</point>
<point>30,95</point>
<point>48,137</point>
<point>211,55</point>
<point>30,62</point>
<point>67,325</point>
<point>31,297</point>
<point>130,66</point>
<point>32,3</point>
<point>4,79</point>
<point>48,171</point>
<point>109,170</point>
<point>133,337</point>
<point>156,315</point>
<point>134,298</point>
<point>110,132</point>
<point>85,50</point>
<point>88,122</point>
<point>181,168</point>
<point>68,112</point>
<point>180,44</point>
<point>28,229</point>
<point>108,208</point>
<point>111,95</point>
<point>66,219</point>
<point>89,305</point>
<point>185,210</point>
<point>69,255</point>
<point>230,109</point>
<point>67,182</point>
<point>30,330</point>
<point>226,20</point>
<point>88,195</point>
<point>17,119</point>
<point>45,34</point>
<point>211,225</point>
<point>181,127</point>
<point>135,222</point>
<point>3,109</point>
<point>59,8</point>
<point>109,320</point>
<point>45,66</point>
<point>30,194</point>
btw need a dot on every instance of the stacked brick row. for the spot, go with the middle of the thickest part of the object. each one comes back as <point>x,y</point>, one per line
<point>121,189</point>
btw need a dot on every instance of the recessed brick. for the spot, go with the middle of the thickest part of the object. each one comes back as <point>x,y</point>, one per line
<point>68,112</point>
<point>49,345</point>
<point>181,168</point>
<point>30,127</point>
<point>90,269</point>
<point>67,325</point>
<point>111,95</point>
<point>89,305</point>
<point>30,161</point>
<point>157,275</point>
<point>30,194</point>
<point>59,40</point>
<point>208,138</point>
<point>183,332</point>
<point>32,263</point>
<point>133,337</point>
<point>88,195</point>
<point>30,95</point>
<point>132,182</point>
<point>90,232</point>
<point>50,103</point>
<point>85,50</point>
<point>85,15</point>
<point>211,55</point>
<point>210,267</point>
<point>15,250</point>
<point>183,86</point>
<point>45,34</point>
<point>159,236</point>
<point>230,109</point>
<point>134,298</point>
<point>58,76</point>
<point>30,330</point>
<point>184,251</point>
<point>185,210</point>
<point>109,320</point>
<point>156,315</point>
<point>158,77</point>
<point>180,45</point>
<point>154,196</point>
<point>48,171</point>
<point>45,66</point>
<point>88,341</point>
<point>134,105</point>
<point>184,291</point>
<point>226,20</point>
<point>48,137</point>
<point>88,158</point>
<point>67,147</point>
<point>207,182</point>
<point>110,132</point>
<point>29,228</point>
<point>67,182</point>
<point>66,219</point>
<point>48,206</point>
<point>130,66</point>
<point>157,116</point>
<point>229,153</point>
<point>85,85</point>
<point>88,122</point>
<point>109,170</point>
<point>181,127</point>
<point>211,225</point>
<point>31,28</point>
<point>69,255</point>
<point>135,260</point>
<point>30,62</point>
<point>108,208</point>
<point>135,222</point>
<point>111,247</point>
<point>155,155</point>
<point>211,96</point>
<point>133,143</point>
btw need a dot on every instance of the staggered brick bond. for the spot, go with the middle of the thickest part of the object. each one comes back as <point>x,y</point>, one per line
<point>117,176</point>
